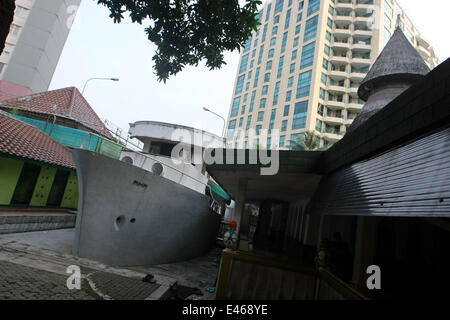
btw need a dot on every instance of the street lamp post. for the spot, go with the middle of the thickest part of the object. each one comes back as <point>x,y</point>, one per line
<point>224,121</point>
<point>108,79</point>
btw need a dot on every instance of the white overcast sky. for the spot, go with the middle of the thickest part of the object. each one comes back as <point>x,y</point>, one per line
<point>97,47</point>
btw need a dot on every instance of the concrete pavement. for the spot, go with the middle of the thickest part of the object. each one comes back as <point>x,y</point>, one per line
<point>34,260</point>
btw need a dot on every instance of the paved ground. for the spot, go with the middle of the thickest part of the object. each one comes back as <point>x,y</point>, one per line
<point>33,260</point>
<point>57,240</point>
<point>18,282</point>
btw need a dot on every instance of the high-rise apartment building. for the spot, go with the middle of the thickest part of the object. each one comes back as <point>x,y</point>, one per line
<point>301,70</point>
<point>35,41</point>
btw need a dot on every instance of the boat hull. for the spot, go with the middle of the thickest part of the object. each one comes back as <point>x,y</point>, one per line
<point>128,216</point>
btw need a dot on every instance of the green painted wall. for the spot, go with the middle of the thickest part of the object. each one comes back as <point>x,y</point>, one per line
<point>43,187</point>
<point>9,175</point>
<point>70,197</point>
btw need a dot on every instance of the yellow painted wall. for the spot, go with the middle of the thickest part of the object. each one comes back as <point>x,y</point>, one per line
<point>10,170</point>
<point>70,197</point>
<point>43,187</point>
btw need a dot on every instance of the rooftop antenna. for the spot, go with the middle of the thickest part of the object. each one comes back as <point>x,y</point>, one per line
<point>398,21</point>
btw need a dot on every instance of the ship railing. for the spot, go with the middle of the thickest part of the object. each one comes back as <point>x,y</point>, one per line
<point>136,150</point>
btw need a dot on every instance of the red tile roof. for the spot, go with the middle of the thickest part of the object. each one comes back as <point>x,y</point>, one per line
<point>66,102</point>
<point>22,140</point>
<point>9,90</point>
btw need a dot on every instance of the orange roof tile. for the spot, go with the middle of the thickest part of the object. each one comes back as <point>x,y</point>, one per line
<point>67,102</point>
<point>22,140</point>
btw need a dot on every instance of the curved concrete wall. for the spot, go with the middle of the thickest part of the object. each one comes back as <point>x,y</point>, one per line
<point>128,216</point>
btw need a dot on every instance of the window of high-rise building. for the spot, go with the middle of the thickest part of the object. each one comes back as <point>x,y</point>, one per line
<point>278,6</point>
<point>262,103</point>
<point>241,121</point>
<point>325,64</point>
<point>273,41</point>
<point>264,33</point>
<point>269,7</point>
<point>313,6</point>
<point>271,52</point>
<point>297,29</point>
<point>300,114</point>
<point>274,30</point>
<point>299,16</point>
<point>272,120</point>
<point>330,23</point>
<point>307,55</point>
<point>261,116</point>
<point>294,55</point>
<point>288,19</point>
<point>265,90</point>
<point>261,51</point>
<point>235,107</point>
<point>292,68</point>
<point>269,65</point>
<point>291,80</point>
<point>327,50</point>
<point>255,81</point>
<point>388,8</point>
<point>283,43</point>
<point>258,132</point>
<point>276,93</point>
<point>303,85</point>
<point>387,21</point>
<point>284,125</point>
<point>282,141</point>
<point>288,96</point>
<point>331,9</point>
<point>324,78</point>
<point>252,101</point>
<point>300,5</point>
<point>286,111</point>
<point>280,67</point>
<point>276,19</point>
<point>311,28</point>
<point>387,36</point>
<point>267,77</point>
<point>248,45</point>
<point>249,75</point>
<point>244,63</point>
<point>240,84</point>
<point>247,86</point>
<point>295,44</point>
<point>245,98</point>
<point>249,122</point>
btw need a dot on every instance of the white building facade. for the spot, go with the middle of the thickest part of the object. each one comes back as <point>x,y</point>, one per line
<point>35,41</point>
<point>301,70</point>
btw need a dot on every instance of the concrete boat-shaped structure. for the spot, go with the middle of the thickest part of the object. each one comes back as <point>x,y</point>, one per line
<point>131,215</point>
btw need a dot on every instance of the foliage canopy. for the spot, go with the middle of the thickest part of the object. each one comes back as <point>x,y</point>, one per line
<point>188,31</point>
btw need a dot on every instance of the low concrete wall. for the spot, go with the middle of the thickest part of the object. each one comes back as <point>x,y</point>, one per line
<point>128,216</point>
<point>27,223</point>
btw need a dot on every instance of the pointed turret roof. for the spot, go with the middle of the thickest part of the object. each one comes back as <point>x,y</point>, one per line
<point>398,60</point>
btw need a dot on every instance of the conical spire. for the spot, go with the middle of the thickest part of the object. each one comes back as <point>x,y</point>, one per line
<point>397,68</point>
<point>398,60</point>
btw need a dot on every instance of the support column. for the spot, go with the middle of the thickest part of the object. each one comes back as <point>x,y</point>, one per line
<point>364,249</point>
<point>238,212</point>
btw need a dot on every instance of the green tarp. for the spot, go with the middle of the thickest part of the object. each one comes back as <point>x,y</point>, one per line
<point>218,193</point>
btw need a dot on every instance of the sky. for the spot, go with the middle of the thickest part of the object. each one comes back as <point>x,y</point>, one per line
<point>96,47</point>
